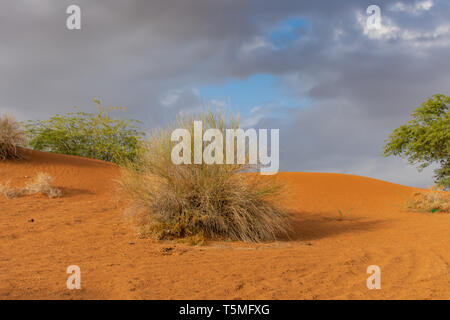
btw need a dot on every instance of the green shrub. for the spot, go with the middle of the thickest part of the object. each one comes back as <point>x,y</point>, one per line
<point>426,138</point>
<point>91,135</point>
<point>193,201</point>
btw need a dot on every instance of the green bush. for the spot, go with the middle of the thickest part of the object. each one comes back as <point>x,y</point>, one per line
<point>426,138</point>
<point>91,135</point>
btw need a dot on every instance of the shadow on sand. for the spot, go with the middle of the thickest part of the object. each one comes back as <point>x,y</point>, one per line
<point>321,225</point>
<point>73,192</point>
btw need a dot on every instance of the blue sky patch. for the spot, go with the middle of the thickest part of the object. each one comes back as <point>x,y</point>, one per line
<point>245,94</point>
<point>287,32</point>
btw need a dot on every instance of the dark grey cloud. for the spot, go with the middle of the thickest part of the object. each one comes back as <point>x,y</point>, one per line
<point>152,56</point>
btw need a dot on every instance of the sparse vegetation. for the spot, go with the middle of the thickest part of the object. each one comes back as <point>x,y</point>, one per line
<point>91,135</point>
<point>8,191</point>
<point>433,200</point>
<point>12,137</point>
<point>343,214</point>
<point>201,201</point>
<point>42,183</point>
<point>425,139</point>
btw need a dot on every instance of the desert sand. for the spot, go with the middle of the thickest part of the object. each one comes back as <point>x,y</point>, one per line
<point>325,258</point>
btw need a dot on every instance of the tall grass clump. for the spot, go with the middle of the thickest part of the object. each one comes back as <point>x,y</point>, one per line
<point>11,138</point>
<point>201,201</point>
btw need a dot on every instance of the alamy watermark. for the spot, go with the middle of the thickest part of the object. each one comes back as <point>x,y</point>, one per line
<point>213,153</point>
<point>374,19</point>
<point>374,280</point>
<point>74,280</point>
<point>73,21</point>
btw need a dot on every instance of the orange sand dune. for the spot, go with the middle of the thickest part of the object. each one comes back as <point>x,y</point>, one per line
<point>326,258</point>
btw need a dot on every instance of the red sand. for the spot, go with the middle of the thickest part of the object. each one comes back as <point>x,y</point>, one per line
<point>326,258</point>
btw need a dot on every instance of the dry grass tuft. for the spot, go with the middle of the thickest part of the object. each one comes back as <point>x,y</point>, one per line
<point>11,137</point>
<point>433,200</point>
<point>8,191</point>
<point>41,184</point>
<point>201,201</point>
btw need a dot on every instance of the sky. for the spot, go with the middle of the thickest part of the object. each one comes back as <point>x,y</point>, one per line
<point>312,69</point>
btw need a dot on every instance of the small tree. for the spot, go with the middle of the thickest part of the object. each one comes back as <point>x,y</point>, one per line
<point>97,136</point>
<point>426,138</point>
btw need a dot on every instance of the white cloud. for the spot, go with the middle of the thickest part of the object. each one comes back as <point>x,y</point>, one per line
<point>171,98</point>
<point>415,8</point>
<point>389,30</point>
<point>255,44</point>
<point>258,113</point>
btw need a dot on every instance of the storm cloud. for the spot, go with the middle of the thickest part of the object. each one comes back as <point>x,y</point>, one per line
<point>348,86</point>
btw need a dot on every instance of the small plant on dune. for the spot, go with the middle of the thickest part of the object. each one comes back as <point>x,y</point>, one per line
<point>90,135</point>
<point>42,183</point>
<point>199,201</point>
<point>8,191</point>
<point>433,200</point>
<point>343,214</point>
<point>11,138</point>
